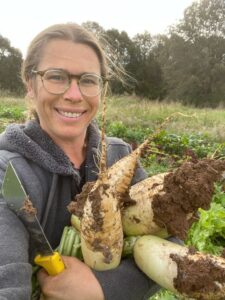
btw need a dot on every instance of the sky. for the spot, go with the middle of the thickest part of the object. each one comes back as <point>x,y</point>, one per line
<point>21,20</point>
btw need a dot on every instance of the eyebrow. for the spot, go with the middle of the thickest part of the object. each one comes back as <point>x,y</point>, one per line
<point>79,74</point>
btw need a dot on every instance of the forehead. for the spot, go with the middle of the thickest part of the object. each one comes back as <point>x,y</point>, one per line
<point>73,57</point>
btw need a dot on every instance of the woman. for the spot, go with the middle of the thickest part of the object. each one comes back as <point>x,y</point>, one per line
<point>55,154</point>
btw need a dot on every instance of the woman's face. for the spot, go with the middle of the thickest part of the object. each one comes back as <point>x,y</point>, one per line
<point>65,117</point>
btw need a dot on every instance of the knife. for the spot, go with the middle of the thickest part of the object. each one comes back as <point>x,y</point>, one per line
<point>19,202</point>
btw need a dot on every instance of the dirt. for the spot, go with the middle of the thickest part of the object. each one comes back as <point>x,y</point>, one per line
<point>190,187</point>
<point>95,197</point>
<point>76,206</point>
<point>28,207</point>
<point>200,278</point>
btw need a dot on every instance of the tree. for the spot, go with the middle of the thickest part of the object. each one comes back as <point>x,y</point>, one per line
<point>146,68</point>
<point>10,65</point>
<point>118,47</point>
<point>95,28</point>
<point>192,56</point>
<point>203,19</point>
<point>132,64</point>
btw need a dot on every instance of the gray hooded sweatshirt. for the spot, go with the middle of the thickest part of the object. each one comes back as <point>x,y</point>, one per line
<point>51,181</point>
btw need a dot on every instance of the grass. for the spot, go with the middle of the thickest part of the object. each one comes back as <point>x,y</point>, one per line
<point>142,115</point>
<point>12,109</point>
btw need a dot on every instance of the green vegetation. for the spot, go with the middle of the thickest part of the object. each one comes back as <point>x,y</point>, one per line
<point>12,109</point>
<point>208,234</point>
<point>134,118</point>
<point>165,295</point>
<point>131,116</point>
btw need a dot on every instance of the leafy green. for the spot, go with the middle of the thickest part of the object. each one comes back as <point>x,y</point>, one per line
<point>208,234</point>
<point>166,295</point>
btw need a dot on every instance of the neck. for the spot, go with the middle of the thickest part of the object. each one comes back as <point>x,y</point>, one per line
<point>75,150</point>
<point>76,155</point>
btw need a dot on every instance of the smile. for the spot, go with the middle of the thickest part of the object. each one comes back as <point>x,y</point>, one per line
<point>69,114</point>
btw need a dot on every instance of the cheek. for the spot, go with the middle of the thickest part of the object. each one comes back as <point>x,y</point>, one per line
<point>42,97</point>
<point>96,103</point>
<point>93,104</point>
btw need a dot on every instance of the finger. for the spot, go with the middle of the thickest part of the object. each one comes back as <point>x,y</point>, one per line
<point>41,276</point>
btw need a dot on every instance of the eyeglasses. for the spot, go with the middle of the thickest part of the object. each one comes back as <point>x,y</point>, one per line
<point>58,81</point>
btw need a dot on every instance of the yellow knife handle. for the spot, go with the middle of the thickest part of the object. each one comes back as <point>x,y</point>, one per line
<point>53,264</point>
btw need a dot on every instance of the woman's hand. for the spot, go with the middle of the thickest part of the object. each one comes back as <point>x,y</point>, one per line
<point>76,282</point>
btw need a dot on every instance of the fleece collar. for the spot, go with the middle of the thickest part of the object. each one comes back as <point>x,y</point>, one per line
<point>33,143</point>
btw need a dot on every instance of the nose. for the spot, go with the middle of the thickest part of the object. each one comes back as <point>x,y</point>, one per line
<point>73,92</point>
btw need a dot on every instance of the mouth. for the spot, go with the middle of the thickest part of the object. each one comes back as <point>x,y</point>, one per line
<point>70,114</point>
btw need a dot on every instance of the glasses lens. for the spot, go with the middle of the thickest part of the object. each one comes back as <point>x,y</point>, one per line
<point>56,81</point>
<point>90,85</point>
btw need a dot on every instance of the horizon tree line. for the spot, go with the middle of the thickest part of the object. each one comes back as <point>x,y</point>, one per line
<point>187,64</point>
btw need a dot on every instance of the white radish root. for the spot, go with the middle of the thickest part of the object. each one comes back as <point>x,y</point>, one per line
<point>180,270</point>
<point>137,219</point>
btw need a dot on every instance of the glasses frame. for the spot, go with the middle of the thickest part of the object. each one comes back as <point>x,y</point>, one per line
<point>41,73</point>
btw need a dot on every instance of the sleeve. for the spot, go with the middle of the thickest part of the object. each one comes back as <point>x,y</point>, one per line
<point>126,282</point>
<point>15,271</point>
<point>140,174</point>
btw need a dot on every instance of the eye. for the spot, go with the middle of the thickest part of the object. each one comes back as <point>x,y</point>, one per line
<point>56,76</point>
<point>90,80</point>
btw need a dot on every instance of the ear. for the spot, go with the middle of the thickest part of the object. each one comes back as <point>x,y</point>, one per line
<point>30,89</point>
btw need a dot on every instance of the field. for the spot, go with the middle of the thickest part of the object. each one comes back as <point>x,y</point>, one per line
<point>141,114</point>
<point>193,133</point>
<point>144,114</point>
<point>149,114</point>
<point>200,130</point>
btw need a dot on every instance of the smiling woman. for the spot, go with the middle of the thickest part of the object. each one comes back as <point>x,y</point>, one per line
<point>65,115</point>
<point>55,154</point>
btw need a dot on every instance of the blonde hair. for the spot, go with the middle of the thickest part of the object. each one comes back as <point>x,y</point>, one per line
<point>69,32</point>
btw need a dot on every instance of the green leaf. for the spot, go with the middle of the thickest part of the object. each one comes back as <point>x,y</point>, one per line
<point>208,234</point>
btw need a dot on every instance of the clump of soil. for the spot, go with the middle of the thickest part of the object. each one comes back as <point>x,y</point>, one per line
<point>201,278</point>
<point>28,207</point>
<point>190,187</point>
<point>76,206</point>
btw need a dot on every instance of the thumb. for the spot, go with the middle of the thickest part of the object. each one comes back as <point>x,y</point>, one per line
<point>41,276</point>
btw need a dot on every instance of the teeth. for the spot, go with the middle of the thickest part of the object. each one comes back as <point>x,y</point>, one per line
<point>70,114</point>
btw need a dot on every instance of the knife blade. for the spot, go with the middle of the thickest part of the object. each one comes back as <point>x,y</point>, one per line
<point>19,202</point>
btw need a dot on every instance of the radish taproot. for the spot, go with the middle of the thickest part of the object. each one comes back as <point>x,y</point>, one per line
<point>101,226</point>
<point>181,270</point>
<point>170,201</point>
<point>120,174</point>
<point>138,219</point>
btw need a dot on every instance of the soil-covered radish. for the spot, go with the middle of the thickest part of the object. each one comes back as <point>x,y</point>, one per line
<point>180,269</point>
